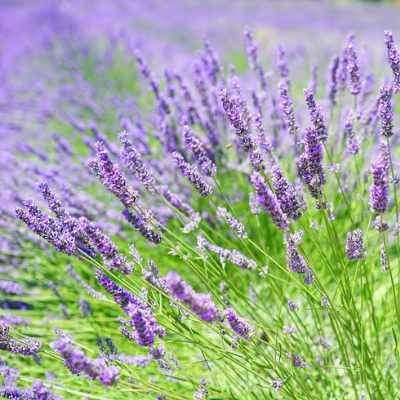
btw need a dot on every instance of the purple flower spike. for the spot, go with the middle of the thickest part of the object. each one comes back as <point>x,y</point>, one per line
<point>393,58</point>
<point>333,80</point>
<point>140,223</point>
<point>200,154</point>
<point>237,114</point>
<point>111,177</point>
<point>309,164</point>
<point>240,326</point>
<point>77,361</point>
<point>144,325</point>
<point>269,201</point>
<point>10,287</point>
<point>355,245</point>
<point>379,190</point>
<point>316,115</point>
<point>291,202</point>
<point>201,304</point>
<point>193,175</point>
<point>353,69</point>
<point>386,111</point>
<point>288,109</point>
<point>134,163</point>
<point>296,261</point>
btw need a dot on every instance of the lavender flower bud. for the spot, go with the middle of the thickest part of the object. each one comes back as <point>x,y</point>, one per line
<point>309,164</point>
<point>289,199</point>
<point>240,326</point>
<point>10,287</point>
<point>193,175</point>
<point>197,148</point>
<point>386,111</point>
<point>236,226</point>
<point>269,201</point>
<point>393,58</point>
<point>333,80</point>
<point>316,115</point>
<point>379,190</point>
<point>287,108</point>
<point>353,69</point>
<point>134,163</point>
<point>233,256</point>
<point>355,245</point>
<point>296,261</point>
<point>139,222</point>
<point>111,177</point>
<point>201,304</point>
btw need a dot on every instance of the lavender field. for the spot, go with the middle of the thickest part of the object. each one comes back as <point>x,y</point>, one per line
<point>199,200</point>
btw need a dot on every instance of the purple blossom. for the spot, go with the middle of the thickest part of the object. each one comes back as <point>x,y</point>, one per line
<point>134,163</point>
<point>25,347</point>
<point>309,164</point>
<point>282,64</point>
<point>111,177</point>
<point>238,116</point>
<point>144,325</point>
<point>379,190</point>
<point>355,245</point>
<point>11,287</point>
<point>193,175</point>
<point>316,115</point>
<point>269,201</point>
<point>289,199</point>
<point>233,256</point>
<point>333,80</point>
<point>386,111</point>
<point>238,324</point>
<point>235,225</point>
<point>200,154</point>
<point>393,56</point>
<point>201,304</point>
<point>252,55</point>
<point>288,109</point>
<point>140,223</point>
<point>77,362</point>
<point>296,261</point>
<point>353,69</point>
<point>50,229</point>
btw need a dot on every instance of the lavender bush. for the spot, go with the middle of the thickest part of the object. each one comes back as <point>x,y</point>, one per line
<point>192,221</point>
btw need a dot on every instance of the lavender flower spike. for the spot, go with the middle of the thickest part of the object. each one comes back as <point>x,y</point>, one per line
<point>134,163</point>
<point>193,175</point>
<point>201,304</point>
<point>25,347</point>
<point>333,80</point>
<point>379,190</point>
<point>236,225</point>
<point>140,223</point>
<point>309,164</point>
<point>111,177</point>
<point>240,326</point>
<point>355,245</point>
<point>11,287</point>
<point>296,261</point>
<point>77,362</point>
<point>290,200</point>
<point>269,201</point>
<point>200,154</point>
<point>287,108</point>
<point>386,111</point>
<point>393,55</point>
<point>316,115</point>
<point>353,69</point>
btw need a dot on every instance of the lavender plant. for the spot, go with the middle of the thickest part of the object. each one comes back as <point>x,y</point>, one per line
<point>200,233</point>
